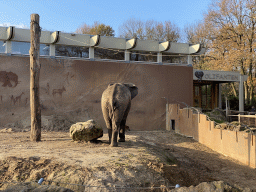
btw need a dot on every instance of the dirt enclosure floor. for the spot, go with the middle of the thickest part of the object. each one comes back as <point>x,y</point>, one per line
<point>147,159</point>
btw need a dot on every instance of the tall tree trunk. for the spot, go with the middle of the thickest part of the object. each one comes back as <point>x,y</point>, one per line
<point>243,72</point>
<point>34,78</point>
<point>233,89</point>
<point>250,81</point>
<point>251,40</point>
<point>251,93</point>
<point>250,89</point>
<point>246,92</point>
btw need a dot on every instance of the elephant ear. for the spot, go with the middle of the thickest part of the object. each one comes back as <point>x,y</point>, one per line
<point>133,89</point>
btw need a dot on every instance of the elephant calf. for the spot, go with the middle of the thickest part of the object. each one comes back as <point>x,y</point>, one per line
<point>116,104</point>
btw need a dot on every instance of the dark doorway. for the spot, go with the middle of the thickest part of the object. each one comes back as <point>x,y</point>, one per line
<point>172,124</point>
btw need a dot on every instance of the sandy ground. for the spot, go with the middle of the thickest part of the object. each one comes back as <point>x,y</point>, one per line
<point>147,158</point>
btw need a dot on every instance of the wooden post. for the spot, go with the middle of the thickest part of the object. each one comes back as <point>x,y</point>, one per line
<point>34,52</point>
<point>254,119</point>
<point>167,117</point>
<point>227,109</point>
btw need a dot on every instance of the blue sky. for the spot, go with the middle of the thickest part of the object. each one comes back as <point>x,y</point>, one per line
<point>68,15</point>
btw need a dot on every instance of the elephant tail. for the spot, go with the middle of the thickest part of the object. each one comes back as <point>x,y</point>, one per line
<point>114,105</point>
<point>113,114</point>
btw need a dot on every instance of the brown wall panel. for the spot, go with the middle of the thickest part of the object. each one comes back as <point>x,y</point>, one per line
<point>68,86</point>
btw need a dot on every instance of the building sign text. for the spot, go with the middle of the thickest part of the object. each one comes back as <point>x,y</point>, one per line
<point>222,77</point>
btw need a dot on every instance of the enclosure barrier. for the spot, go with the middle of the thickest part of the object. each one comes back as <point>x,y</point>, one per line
<point>249,120</point>
<point>235,144</point>
<point>101,188</point>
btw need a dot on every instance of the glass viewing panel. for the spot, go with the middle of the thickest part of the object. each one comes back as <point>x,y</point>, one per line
<point>71,51</point>
<point>2,47</point>
<point>20,48</point>
<point>44,49</point>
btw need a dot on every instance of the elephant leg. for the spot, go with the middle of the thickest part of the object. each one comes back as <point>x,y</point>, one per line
<point>114,134</point>
<point>122,131</point>
<point>109,127</point>
<point>122,125</point>
<point>108,122</point>
<point>110,135</point>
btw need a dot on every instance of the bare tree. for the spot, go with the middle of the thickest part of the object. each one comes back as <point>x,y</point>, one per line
<point>197,33</point>
<point>172,32</point>
<point>84,29</point>
<point>96,29</point>
<point>132,28</point>
<point>228,31</point>
<point>150,30</point>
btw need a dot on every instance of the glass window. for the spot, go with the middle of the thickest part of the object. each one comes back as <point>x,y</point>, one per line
<point>196,90</point>
<point>71,51</point>
<point>24,47</point>
<point>143,56</point>
<point>196,103</point>
<point>100,53</point>
<point>2,47</point>
<point>171,58</point>
<point>44,49</point>
<point>20,48</point>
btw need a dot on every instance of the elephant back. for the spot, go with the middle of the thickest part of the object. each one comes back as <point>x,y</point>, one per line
<point>116,96</point>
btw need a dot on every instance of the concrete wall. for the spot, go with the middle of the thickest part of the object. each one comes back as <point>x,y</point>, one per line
<point>238,145</point>
<point>85,40</point>
<point>74,87</point>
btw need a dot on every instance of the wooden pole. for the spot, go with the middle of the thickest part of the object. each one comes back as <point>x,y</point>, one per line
<point>34,52</point>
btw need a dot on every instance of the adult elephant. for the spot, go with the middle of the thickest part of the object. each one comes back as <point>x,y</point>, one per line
<point>116,104</point>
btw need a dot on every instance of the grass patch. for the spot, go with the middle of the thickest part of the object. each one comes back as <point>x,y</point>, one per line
<point>170,161</point>
<point>217,121</point>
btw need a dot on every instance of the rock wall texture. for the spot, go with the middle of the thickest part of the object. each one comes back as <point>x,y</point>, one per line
<point>72,89</point>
